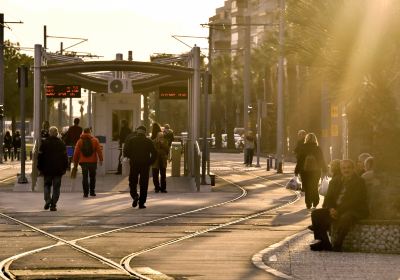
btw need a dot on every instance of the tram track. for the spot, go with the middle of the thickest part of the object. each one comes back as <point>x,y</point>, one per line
<point>124,264</point>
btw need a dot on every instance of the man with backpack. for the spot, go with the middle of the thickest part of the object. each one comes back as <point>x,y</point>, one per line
<point>87,151</point>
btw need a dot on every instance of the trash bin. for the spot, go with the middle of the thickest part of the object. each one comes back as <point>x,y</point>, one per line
<point>176,152</point>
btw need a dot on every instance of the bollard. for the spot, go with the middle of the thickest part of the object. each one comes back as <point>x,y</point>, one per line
<point>212,179</point>
<point>30,155</point>
<point>280,170</point>
<point>268,164</point>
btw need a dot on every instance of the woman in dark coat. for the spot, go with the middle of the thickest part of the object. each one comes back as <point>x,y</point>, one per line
<point>311,167</point>
<point>159,167</point>
<point>7,145</point>
<point>155,129</point>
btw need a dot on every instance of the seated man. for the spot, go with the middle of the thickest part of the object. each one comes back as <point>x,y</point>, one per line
<point>345,202</point>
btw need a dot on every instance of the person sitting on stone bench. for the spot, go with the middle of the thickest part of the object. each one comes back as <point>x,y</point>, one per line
<point>345,202</point>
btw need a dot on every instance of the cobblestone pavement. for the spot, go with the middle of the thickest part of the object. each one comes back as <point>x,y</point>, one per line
<point>292,259</point>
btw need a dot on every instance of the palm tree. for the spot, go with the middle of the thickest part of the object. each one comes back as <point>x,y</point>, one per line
<point>353,46</point>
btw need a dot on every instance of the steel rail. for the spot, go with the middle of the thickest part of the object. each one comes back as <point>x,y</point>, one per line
<point>124,267</point>
<point>125,261</point>
<point>8,261</point>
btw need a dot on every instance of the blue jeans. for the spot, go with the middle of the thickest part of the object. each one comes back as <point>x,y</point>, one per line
<point>50,181</point>
<point>88,171</point>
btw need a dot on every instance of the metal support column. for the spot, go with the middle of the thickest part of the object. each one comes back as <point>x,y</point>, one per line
<point>89,109</point>
<point>23,83</point>
<point>194,103</point>
<point>280,99</point>
<point>259,108</point>
<point>205,131</point>
<point>37,87</point>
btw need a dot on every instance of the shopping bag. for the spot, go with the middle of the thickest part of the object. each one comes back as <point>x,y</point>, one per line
<point>323,188</point>
<point>294,184</point>
<point>125,166</point>
<point>74,170</point>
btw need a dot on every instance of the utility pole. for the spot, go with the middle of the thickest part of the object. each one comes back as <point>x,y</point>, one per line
<point>45,101</point>
<point>246,75</point>
<point>280,99</point>
<point>207,84</point>
<point>1,82</point>
<point>2,22</point>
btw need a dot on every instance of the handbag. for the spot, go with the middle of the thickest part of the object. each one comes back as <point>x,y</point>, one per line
<point>294,184</point>
<point>323,188</point>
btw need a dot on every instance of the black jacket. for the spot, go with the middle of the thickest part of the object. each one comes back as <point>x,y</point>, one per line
<point>123,134</point>
<point>16,141</point>
<point>52,158</point>
<point>354,199</point>
<point>307,149</point>
<point>140,150</point>
<point>73,134</point>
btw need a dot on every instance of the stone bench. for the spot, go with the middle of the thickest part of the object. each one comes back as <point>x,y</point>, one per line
<point>372,236</point>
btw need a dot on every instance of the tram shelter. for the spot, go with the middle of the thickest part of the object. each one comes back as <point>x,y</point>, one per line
<point>113,101</point>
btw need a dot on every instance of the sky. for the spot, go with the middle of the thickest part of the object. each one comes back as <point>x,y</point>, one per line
<point>145,27</point>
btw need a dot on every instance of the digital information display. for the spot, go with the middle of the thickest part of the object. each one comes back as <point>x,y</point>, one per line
<point>173,93</point>
<point>63,91</point>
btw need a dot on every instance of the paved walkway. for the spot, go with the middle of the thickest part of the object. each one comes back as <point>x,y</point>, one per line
<point>292,259</point>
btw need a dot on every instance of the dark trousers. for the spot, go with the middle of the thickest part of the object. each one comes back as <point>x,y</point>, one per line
<point>249,156</point>
<point>55,182</point>
<point>322,221</point>
<point>119,168</point>
<point>88,172</point>
<point>159,174</point>
<point>139,173</point>
<point>7,153</point>
<point>309,181</point>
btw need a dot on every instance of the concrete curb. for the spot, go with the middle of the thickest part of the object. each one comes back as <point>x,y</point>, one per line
<point>257,259</point>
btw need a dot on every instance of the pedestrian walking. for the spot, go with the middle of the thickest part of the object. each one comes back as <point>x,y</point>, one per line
<point>345,203</point>
<point>7,146</point>
<point>17,143</point>
<point>159,167</point>
<point>142,154</point>
<point>311,167</point>
<point>301,135</point>
<point>87,153</point>
<point>44,133</point>
<point>123,134</point>
<point>168,135</point>
<point>155,129</point>
<point>72,136</point>
<point>249,146</point>
<point>73,133</point>
<point>52,163</point>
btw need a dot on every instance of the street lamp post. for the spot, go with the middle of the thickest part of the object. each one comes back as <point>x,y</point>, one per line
<point>280,99</point>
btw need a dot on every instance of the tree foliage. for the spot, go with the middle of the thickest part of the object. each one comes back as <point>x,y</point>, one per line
<point>13,59</point>
<point>354,47</point>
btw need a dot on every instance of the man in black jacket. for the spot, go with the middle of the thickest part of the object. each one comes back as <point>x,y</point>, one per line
<point>142,154</point>
<point>345,202</point>
<point>52,163</point>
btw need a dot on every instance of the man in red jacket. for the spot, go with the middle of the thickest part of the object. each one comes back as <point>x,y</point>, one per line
<point>87,151</point>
